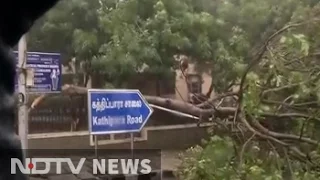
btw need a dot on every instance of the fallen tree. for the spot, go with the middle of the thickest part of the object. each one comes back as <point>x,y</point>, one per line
<point>177,105</point>
<point>214,112</point>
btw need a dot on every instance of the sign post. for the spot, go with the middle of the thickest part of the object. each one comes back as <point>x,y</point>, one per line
<point>96,146</point>
<point>23,109</point>
<point>38,73</point>
<point>132,144</point>
<point>117,111</point>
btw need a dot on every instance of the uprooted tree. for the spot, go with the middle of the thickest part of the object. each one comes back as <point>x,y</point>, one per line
<point>269,50</point>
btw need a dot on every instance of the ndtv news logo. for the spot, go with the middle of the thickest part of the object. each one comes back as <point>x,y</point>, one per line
<point>99,166</point>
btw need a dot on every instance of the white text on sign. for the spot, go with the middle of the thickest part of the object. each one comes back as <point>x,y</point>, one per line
<point>117,120</point>
<point>105,103</point>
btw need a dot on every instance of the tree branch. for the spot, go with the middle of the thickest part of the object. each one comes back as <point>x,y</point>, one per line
<point>311,104</point>
<point>260,53</point>
<point>263,94</point>
<point>290,115</point>
<point>208,94</point>
<point>209,103</point>
<point>282,135</point>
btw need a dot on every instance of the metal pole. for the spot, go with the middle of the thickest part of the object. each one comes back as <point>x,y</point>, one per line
<point>23,109</point>
<point>131,143</point>
<point>174,112</point>
<point>96,145</point>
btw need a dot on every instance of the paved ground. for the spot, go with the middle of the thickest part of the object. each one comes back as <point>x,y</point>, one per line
<point>169,163</point>
<point>170,160</point>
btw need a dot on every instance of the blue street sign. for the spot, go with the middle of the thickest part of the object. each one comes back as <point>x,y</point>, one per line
<point>47,71</point>
<point>117,111</point>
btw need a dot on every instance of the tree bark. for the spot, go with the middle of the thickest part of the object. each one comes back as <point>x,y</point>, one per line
<point>208,94</point>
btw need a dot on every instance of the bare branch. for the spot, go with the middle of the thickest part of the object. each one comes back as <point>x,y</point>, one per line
<point>209,103</point>
<point>244,148</point>
<point>282,135</point>
<point>290,115</point>
<point>210,90</point>
<point>260,53</point>
<point>268,137</point>
<point>282,88</point>
<point>314,104</point>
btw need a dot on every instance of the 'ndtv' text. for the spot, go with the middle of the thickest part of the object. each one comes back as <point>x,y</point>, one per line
<point>99,166</point>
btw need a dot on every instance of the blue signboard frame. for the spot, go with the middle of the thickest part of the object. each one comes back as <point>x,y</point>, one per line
<point>117,95</point>
<point>47,71</point>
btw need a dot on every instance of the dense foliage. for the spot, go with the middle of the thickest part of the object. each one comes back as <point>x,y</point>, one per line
<point>268,48</point>
<point>215,160</point>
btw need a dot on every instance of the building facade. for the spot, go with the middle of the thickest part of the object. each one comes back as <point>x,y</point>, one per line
<point>190,82</point>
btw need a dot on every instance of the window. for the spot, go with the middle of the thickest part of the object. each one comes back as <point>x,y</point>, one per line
<point>195,88</point>
<point>195,84</point>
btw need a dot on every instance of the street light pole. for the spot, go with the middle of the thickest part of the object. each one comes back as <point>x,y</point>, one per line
<point>23,109</point>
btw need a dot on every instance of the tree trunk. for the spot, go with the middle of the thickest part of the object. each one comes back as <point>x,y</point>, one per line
<point>208,94</point>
